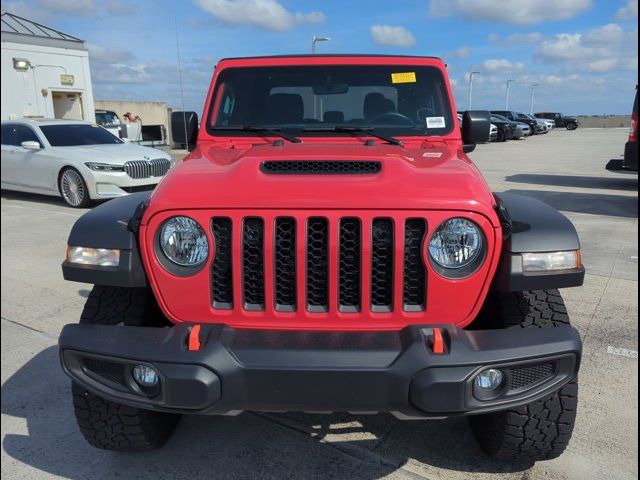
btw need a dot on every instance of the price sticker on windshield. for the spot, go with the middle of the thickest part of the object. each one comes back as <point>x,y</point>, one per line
<point>403,77</point>
<point>436,122</point>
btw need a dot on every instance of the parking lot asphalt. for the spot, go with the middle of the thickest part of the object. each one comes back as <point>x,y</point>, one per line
<point>566,169</point>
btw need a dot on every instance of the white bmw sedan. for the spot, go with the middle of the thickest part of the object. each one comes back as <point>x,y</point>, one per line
<point>77,160</point>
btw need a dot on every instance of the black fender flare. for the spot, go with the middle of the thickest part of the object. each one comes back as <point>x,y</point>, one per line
<point>114,225</point>
<point>532,226</point>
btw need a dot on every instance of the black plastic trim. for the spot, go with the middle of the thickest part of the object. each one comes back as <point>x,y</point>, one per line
<point>373,371</point>
<point>532,226</point>
<point>113,224</point>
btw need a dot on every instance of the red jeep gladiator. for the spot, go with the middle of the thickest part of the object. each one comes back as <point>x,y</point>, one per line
<point>327,246</point>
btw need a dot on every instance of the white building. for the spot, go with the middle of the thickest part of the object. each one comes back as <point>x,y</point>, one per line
<point>45,73</point>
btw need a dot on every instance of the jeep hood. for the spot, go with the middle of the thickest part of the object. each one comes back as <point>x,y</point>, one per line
<point>439,177</point>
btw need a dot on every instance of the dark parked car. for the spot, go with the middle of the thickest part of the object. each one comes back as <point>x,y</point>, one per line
<point>570,123</point>
<point>520,118</point>
<point>507,129</point>
<point>630,161</point>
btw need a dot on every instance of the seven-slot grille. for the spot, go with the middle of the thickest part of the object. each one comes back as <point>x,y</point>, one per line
<point>157,167</point>
<point>375,263</point>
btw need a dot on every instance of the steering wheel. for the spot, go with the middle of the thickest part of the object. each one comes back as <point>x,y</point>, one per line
<point>392,116</point>
<point>426,111</point>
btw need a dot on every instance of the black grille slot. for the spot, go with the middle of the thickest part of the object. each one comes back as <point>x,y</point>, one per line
<point>349,268</point>
<point>414,279</point>
<point>520,377</point>
<point>253,263</point>
<point>382,265</point>
<point>221,268</point>
<point>317,265</point>
<point>111,371</point>
<point>285,264</point>
<point>320,167</point>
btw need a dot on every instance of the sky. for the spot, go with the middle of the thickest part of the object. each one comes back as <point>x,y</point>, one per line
<point>582,54</point>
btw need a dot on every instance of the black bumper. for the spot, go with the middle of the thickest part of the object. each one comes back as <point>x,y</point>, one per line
<point>319,371</point>
<point>631,155</point>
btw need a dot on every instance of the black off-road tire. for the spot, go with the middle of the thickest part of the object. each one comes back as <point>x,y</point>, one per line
<point>572,126</point>
<point>109,425</point>
<point>540,430</point>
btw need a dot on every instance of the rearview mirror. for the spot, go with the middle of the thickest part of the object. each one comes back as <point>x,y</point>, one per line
<point>30,145</point>
<point>330,88</point>
<point>476,126</point>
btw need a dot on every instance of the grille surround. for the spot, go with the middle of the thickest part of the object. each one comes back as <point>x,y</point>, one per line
<point>196,288</point>
<point>321,167</point>
<point>157,167</point>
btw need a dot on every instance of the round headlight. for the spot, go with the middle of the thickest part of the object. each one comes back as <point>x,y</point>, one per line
<point>456,243</point>
<point>184,242</point>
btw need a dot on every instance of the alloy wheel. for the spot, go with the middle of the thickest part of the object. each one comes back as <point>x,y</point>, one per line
<point>72,188</point>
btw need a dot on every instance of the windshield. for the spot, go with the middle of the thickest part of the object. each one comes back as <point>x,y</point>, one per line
<point>500,118</point>
<point>79,134</point>
<point>391,100</point>
<point>107,118</point>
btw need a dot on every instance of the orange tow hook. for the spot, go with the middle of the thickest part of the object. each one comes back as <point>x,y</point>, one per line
<point>194,339</point>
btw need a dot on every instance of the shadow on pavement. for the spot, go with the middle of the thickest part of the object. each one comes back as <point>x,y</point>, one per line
<point>250,445</point>
<point>45,199</point>
<point>34,198</point>
<point>593,203</point>
<point>612,183</point>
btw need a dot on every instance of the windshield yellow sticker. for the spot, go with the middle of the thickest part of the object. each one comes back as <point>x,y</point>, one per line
<point>403,77</point>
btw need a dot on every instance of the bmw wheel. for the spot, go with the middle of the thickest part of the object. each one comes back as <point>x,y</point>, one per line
<point>73,188</point>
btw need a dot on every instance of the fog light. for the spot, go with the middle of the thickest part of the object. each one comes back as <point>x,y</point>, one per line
<point>489,379</point>
<point>145,376</point>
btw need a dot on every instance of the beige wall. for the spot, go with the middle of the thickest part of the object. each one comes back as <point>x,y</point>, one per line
<point>151,113</point>
<point>605,121</point>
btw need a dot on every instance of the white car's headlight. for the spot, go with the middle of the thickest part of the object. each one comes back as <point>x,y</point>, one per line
<point>456,243</point>
<point>183,241</point>
<point>104,167</point>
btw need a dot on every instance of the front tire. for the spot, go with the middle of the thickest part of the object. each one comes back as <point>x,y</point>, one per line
<point>73,188</point>
<point>106,424</point>
<point>572,126</point>
<point>540,430</point>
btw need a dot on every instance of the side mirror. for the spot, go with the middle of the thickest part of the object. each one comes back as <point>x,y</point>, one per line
<point>31,145</point>
<point>476,127</point>
<point>184,129</point>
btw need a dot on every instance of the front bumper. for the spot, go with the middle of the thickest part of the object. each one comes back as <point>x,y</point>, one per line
<point>262,370</point>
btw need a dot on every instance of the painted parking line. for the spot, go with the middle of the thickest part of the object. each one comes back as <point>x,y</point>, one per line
<point>622,352</point>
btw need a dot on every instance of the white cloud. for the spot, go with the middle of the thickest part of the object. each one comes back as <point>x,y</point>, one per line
<point>603,66</point>
<point>532,37</point>
<point>520,12</point>
<point>46,10</point>
<point>118,7</point>
<point>628,12</point>
<point>600,50</point>
<point>462,52</point>
<point>392,36</point>
<point>502,66</point>
<point>108,55</point>
<point>267,14</point>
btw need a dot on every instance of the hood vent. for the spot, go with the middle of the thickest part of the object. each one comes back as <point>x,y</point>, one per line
<point>320,167</point>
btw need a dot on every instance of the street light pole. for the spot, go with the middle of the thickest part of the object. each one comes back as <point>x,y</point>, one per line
<point>506,102</point>
<point>471,86</point>
<point>318,38</point>
<point>533,87</point>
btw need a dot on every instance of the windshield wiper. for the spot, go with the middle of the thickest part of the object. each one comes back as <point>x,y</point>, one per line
<point>355,129</point>
<point>277,132</point>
